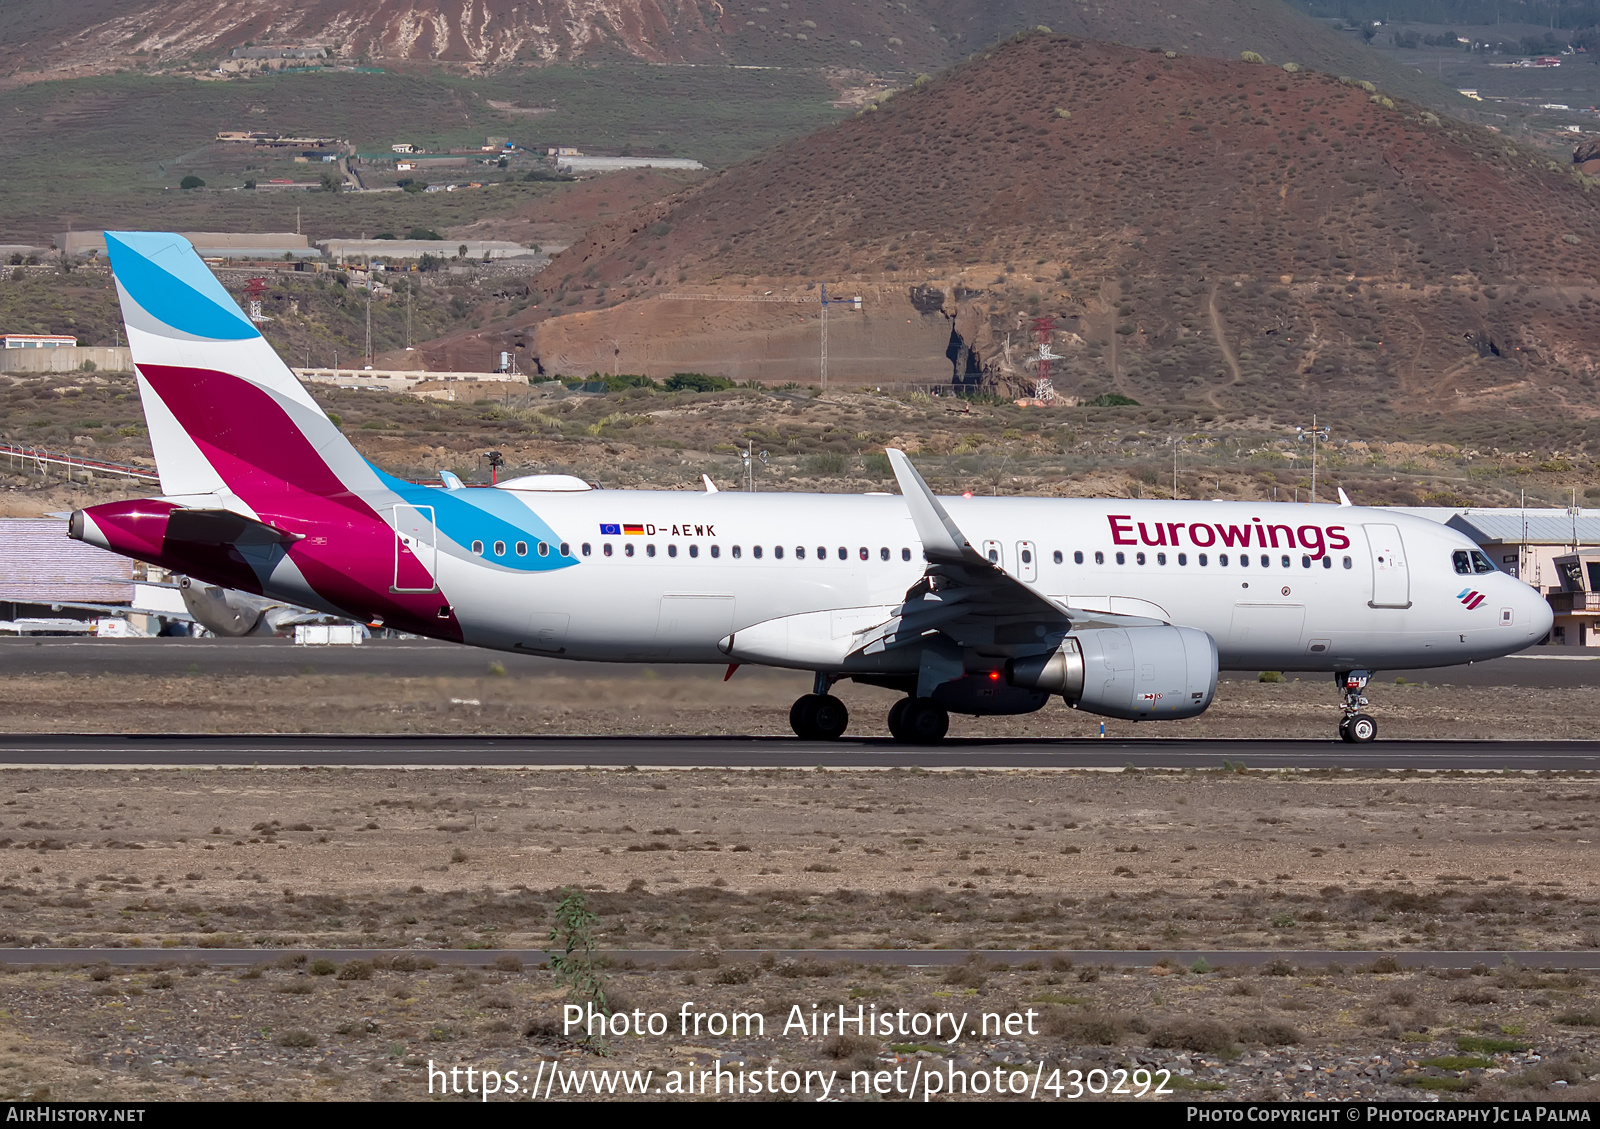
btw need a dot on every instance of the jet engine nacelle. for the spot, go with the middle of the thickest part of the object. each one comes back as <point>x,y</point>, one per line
<point>222,611</point>
<point>1134,673</point>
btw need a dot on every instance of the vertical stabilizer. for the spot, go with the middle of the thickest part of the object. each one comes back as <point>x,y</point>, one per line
<point>226,416</point>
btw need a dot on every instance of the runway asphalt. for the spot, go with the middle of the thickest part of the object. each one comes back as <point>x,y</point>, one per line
<point>1546,667</point>
<point>292,751</point>
<point>905,958</point>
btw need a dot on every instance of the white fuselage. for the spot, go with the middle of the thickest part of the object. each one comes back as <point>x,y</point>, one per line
<point>1319,587</point>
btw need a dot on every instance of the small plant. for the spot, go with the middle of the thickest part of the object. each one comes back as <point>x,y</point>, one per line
<point>323,968</point>
<point>574,962</point>
<point>1270,676</point>
<point>297,1038</point>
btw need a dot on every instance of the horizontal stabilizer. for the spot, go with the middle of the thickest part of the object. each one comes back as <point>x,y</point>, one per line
<point>224,527</point>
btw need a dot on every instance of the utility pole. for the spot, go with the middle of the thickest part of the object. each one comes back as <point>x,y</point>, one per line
<point>368,354</point>
<point>824,337</point>
<point>409,285</point>
<point>1316,433</point>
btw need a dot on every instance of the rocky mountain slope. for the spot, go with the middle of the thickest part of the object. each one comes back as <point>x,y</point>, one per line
<point>1230,234</point>
<point>43,36</point>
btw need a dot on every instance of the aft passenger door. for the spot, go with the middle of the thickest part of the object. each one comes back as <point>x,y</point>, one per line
<point>1391,580</point>
<point>994,553</point>
<point>415,550</point>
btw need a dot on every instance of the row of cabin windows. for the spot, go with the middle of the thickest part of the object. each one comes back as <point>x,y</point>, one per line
<point>756,551</point>
<point>1204,559</point>
<point>521,548</point>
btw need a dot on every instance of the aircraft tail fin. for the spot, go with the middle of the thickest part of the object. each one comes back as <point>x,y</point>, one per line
<point>226,416</point>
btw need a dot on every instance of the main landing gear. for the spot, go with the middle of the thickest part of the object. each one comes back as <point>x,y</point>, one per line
<point>1355,727</point>
<point>918,721</point>
<point>819,716</point>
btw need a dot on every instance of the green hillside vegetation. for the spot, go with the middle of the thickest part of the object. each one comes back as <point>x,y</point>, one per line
<point>111,151</point>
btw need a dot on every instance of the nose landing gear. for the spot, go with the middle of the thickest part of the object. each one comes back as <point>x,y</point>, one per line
<point>1355,727</point>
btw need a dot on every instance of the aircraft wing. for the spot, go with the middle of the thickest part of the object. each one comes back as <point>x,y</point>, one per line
<point>968,599</point>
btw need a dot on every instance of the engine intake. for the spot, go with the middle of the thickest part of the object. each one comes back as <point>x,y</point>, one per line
<point>1134,673</point>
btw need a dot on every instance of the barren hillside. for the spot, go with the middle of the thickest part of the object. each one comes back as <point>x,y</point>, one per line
<point>1220,233</point>
<point>41,36</point>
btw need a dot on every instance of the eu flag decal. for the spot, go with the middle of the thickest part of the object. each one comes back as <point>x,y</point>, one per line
<point>610,530</point>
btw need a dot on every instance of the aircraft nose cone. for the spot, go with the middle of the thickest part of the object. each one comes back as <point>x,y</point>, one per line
<point>1540,617</point>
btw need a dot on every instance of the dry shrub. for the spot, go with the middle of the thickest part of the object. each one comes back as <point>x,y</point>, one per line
<point>734,974</point>
<point>508,962</point>
<point>355,970</point>
<point>860,1051</point>
<point>1479,996</point>
<point>1270,1033</point>
<point>969,975</point>
<point>1083,1027</point>
<point>1402,997</point>
<point>1204,1035</point>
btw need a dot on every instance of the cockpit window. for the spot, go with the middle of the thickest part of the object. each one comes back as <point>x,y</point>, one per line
<point>1462,562</point>
<point>1481,563</point>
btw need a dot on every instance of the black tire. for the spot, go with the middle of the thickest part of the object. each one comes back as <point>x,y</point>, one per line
<point>829,718</point>
<point>925,722</point>
<point>1344,730</point>
<point>1363,730</point>
<point>897,720</point>
<point>803,716</point>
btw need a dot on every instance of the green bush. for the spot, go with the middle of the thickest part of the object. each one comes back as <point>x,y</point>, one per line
<point>696,382</point>
<point>1111,400</point>
<point>191,182</point>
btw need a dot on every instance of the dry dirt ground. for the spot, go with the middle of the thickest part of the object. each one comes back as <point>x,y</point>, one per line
<point>715,860</point>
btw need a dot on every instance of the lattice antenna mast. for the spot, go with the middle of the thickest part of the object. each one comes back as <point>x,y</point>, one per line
<point>1043,389</point>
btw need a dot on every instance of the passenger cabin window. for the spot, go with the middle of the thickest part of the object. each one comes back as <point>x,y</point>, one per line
<point>864,554</point>
<point>565,549</point>
<point>477,548</point>
<point>694,550</point>
<point>844,554</point>
<point>1285,561</point>
<point>1183,558</point>
<point>1244,560</point>
<point>822,552</point>
<point>777,551</point>
<point>799,552</point>
<point>1347,562</point>
<point>1077,557</point>
<point>1161,558</point>
<point>1099,557</point>
<point>544,549</point>
<point>883,553</point>
<point>649,550</point>
<point>1305,562</point>
<point>716,551</point>
<point>736,553</point>
<point>628,548</point>
<point>606,548</point>
<point>905,554</point>
<point>1202,559</point>
<point>1327,562</point>
<point>499,548</point>
<point>672,550</point>
<point>522,548</point>
<point>1057,558</point>
<point>1121,558</point>
<point>755,551</point>
<point>1138,558</point>
<point>586,549</point>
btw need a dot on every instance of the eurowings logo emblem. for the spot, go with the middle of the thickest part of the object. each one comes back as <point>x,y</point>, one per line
<point>1471,597</point>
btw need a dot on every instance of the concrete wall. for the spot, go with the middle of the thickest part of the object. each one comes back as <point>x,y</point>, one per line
<point>403,380</point>
<point>66,359</point>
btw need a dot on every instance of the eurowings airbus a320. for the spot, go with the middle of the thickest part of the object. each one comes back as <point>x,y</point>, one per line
<point>981,606</point>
